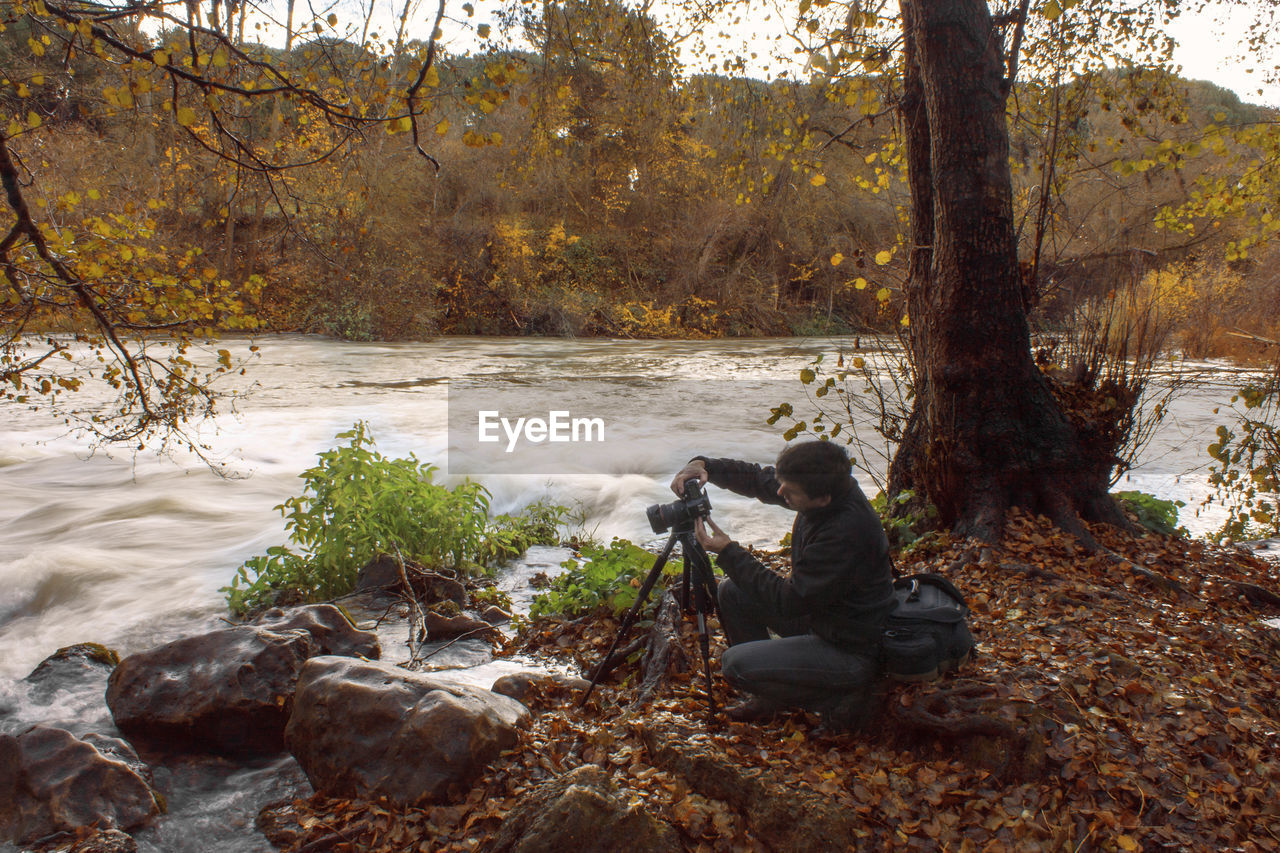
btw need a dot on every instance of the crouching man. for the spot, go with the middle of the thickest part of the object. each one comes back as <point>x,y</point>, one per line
<point>829,614</point>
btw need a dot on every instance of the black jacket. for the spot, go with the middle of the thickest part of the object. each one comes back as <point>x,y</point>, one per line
<point>840,571</point>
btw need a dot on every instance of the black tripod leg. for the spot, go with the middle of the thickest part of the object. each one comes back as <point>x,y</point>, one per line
<point>630,618</point>
<point>698,566</point>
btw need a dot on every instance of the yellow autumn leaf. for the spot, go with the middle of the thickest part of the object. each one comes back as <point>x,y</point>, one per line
<point>220,58</point>
<point>818,180</point>
<point>332,19</point>
<point>837,259</point>
<point>860,283</point>
<point>884,257</point>
<point>33,120</point>
<point>443,127</point>
<point>1127,842</point>
<point>483,31</point>
<point>884,294</point>
<point>432,77</point>
<point>13,129</point>
<point>186,116</point>
<point>160,57</point>
<point>1051,10</point>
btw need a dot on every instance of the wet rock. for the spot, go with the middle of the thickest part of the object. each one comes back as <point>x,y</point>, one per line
<point>228,691</point>
<point>495,615</point>
<point>581,811</point>
<point>51,781</point>
<point>382,573</point>
<point>540,689</point>
<point>329,627</point>
<point>441,627</point>
<point>783,818</point>
<point>70,667</point>
<point>364,728</point>
<point>106,841</point>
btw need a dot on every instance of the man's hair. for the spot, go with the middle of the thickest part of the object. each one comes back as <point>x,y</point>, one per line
<point>821,468</point>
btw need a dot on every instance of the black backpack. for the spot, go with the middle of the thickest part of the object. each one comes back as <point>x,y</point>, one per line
<point>926,634</point>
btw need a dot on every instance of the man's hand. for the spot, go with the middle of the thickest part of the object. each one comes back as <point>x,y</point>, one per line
<point>696,468</point>
<point>716,541</point>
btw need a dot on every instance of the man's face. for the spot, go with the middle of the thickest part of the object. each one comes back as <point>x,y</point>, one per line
<point>797,499</point>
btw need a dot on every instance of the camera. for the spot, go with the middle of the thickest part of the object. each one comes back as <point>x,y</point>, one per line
<point>680,514</point>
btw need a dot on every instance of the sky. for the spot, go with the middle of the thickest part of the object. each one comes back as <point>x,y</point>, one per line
<point>1209,49</point>
<point>1209,42</point>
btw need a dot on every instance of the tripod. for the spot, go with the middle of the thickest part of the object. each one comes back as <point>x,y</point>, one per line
<point>698,595</point>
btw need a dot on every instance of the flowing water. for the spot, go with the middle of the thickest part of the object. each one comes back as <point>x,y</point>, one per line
<point>130,550</point>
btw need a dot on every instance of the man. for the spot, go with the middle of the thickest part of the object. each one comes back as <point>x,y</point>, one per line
<point>828,614</point>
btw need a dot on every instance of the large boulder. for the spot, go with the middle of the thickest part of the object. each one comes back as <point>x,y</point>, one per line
<point>229,691</point>
<point>328,626</point>
<point>51,781</point>
<point>367,729</point>
<point>581,811</point>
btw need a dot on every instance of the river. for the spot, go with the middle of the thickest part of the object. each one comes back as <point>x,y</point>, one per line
<point>130,549</point>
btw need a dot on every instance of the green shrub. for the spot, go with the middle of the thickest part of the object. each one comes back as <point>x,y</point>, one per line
<point>601,577</point>
<point>357,503</point>
<point>903,524</point>
<point>1153,513</point>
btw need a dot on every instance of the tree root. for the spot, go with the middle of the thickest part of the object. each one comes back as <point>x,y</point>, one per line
<point>933,714</point>
<point>1257,595</point>
<point>602,670</point>
<point>663,651</point>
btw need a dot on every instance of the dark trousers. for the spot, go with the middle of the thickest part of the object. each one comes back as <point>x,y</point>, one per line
<point>798,669</point>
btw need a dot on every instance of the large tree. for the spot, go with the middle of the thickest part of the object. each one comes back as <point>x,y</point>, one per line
<point>987,431</point>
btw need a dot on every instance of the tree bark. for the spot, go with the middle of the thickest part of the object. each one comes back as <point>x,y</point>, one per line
<point>986,432</point>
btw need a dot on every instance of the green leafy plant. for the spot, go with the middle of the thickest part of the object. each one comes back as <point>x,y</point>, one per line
<point>1153,513</point>
<point>902,525</point>
<point>356,503</point>
<point>491,596</point>
<point>601,576</point>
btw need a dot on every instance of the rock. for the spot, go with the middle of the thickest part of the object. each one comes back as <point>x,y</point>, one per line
<point>495,615</point>
<point>228,691</point>
<point>329,627</point>
<point>106,841</point>
<point>70,667</point>
<point>786,819</point>
<point>537,688</point>
<point>441,627</point>
<point>383,573</point>
<point>368,729</point>
<point>581,811</point>
<point>51,781</point>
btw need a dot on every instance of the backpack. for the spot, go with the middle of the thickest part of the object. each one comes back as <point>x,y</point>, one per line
<point>926,634</point>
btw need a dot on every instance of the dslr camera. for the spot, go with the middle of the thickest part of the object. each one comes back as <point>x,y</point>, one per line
<point>679,514</point>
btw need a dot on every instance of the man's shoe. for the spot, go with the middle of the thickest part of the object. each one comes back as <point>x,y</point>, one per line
<point>755,709</point>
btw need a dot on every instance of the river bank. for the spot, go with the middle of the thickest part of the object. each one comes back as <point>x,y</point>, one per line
<point>1111,706</point>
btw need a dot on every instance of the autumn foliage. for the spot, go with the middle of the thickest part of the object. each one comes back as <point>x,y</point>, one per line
<point>1112,706</point>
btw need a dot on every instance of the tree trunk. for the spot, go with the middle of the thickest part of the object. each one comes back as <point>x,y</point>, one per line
<point>986,432</point>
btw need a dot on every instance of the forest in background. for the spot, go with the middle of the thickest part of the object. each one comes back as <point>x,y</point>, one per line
<point>592,187</point>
